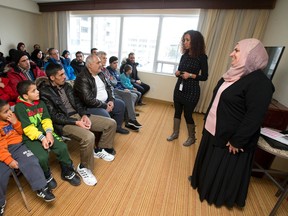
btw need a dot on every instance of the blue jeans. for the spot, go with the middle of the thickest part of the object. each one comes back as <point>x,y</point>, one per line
<point>117,113</point>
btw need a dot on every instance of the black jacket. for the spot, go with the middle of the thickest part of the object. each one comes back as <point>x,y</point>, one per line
<point>85,89</point>
<point>59,115</point>
<point>241,110</point>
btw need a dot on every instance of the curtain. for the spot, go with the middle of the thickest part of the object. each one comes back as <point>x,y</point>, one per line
<point>222,29</point>
<point>56,24</point>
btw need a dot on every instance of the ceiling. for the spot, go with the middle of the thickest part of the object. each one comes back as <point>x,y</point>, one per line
<point>49,1</point>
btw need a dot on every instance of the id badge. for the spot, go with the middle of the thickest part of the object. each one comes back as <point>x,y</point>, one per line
<point>181,87</point>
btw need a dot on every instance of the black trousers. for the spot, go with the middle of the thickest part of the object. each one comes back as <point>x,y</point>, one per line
<point>143,88</point>
<point>188,108</point>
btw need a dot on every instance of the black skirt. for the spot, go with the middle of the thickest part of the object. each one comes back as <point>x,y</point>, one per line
<point>220,177</point>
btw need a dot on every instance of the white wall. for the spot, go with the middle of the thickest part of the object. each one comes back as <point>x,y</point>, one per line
<point>161,86</point>
<point>19,26</point>
<point>277,35</point>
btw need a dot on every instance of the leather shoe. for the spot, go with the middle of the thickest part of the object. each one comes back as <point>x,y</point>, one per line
<point>141,104</point>
<point>122,131</point>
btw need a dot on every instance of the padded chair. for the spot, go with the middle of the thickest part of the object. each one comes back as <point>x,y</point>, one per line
<point>282,186</point>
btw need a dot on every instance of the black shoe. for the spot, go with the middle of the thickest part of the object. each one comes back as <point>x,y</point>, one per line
<point>71,177</point>
<point>51,182</point>
<point>110,151</point>
<point>2,209</point>
<point>134,123</point>
<point>46,194</point>
<point>137,114</point>
<point>122,131</point>
<point>132,128</point>
<point>141,103</point>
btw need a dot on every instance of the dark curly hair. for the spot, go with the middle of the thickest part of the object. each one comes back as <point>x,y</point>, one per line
<point>197,44</point>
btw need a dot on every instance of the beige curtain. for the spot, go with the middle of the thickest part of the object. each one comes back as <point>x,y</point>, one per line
<point>56,26</point>
<point>222,29</point>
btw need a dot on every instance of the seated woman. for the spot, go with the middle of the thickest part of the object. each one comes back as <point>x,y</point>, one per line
<point>37,58</point>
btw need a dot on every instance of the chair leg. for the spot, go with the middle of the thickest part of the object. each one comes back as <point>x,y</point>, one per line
<point>21,190</point>
<point>280,199</point>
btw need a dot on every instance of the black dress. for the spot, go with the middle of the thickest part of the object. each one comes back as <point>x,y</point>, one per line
<point>222,178</point>
<point>191,88</point>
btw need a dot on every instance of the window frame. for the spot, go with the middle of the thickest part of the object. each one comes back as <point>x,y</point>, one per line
<point>161,14</point>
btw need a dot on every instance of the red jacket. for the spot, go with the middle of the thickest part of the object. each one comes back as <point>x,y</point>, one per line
<point>7,93</point>
<point>15,75</point>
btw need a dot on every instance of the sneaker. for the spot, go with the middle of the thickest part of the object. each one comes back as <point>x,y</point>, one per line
<point>72,178</point>
<point>2,208</point>
<point>46,194</point>
<point>87,176</point>
<point>110,151</point>
<point>132,127</point>
<point>122,131</point>
<point>134,123</point>
<point>101,153</point>
<point>51,182</point>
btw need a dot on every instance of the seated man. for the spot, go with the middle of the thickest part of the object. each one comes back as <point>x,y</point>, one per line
<point>78,63</point>
<point>70,118</point>
<point>135,80</point>
<point>121,92</point>
<point>55,58</point>
<point>22,69</point>
<point>15,155</point>
<point>95,92</point>
<point>39,135</point>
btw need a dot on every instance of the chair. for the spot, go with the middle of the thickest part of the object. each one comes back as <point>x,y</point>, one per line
<point>21,190</point>
<point>282,186</point>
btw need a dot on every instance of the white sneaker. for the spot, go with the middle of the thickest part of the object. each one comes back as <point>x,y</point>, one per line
<point>104,155</point>
<point>87,176</point>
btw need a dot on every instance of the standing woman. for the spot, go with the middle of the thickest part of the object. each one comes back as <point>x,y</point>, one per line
<point>232,127</point>
<point>193,67</point>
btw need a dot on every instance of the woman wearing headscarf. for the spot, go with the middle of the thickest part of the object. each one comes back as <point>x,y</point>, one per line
<point>193,67</point>
<point>232,127</point>
<point>37,58</point>
<point>66,56</point>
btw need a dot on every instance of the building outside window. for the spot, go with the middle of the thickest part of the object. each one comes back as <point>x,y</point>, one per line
<point>155,39</point>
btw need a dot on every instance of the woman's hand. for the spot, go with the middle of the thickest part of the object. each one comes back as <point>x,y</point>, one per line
<point>186,75</point>
<point>232,149</point>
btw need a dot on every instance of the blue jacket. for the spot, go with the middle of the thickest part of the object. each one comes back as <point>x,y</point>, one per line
<point>116,75</point>
<point>125,80</point>
<point>69,71</point>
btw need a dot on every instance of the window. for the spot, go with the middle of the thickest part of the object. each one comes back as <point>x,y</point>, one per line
<point>155,39</point>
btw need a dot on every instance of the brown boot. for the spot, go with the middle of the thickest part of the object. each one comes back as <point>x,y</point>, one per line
<point>176,127</point>
<point>191,135</point>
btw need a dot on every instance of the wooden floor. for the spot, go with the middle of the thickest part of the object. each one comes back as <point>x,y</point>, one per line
<point>147,177</point>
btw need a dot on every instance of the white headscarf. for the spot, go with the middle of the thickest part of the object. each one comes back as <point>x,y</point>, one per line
<point>253,56</point>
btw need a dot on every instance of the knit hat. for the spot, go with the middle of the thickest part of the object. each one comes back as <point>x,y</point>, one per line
<point>112,59</point>
<point>17,55</point>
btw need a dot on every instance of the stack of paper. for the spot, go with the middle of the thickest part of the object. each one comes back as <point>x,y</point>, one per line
<point>283,138</point>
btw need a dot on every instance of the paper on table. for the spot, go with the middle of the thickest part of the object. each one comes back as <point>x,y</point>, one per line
<point>275,135</point>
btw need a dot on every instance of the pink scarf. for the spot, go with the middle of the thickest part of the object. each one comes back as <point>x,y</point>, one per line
<point>253,56</point>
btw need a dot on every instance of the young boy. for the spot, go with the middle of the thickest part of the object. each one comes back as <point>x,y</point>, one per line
<point>126,82</point>
<point>15,155</point>
<point>39,136</point>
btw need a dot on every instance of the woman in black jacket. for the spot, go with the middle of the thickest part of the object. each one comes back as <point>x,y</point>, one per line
<point>232,127</point>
